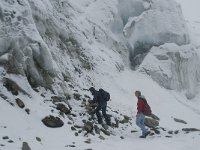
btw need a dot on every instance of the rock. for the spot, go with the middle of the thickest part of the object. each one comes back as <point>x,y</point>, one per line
<point>70,146</point>
<point>63,108</point>
<point>52,122</point>
<point>101,137</point>
<point>152,123</point>
<point>20,103</point>
<point>10,141</point>
<point>2,145</point>
<point>27,111</point>
<point>38,139</point>
<point>73,128</point>
<point>170,132</point>
<point>133,131</point>
<point>11,86</point>
<point>125,120</point>
<point>88,126</point>
<point>97,130</point>
<point>105,132</point>
<point>57,99</point>
<point>25,146</point>
<point>5,137</point>
<point>180,121</point>
<point>168,136</point>
<point>76,133</point>
<point>88,141</point>
<point>190,129</point>
<point>77,96</point>
<point>176,132</point>
<point>121,137</point>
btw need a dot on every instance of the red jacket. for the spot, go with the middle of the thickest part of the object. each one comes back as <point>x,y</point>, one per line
<point>140,105</point>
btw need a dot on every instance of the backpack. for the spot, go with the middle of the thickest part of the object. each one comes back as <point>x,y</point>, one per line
<point>104,95</point>
<point>147,109</point>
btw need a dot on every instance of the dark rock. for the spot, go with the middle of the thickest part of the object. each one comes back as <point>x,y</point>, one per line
<point>76,133</point>
<point>57,99</point>
<point>105,132</point>
<point>101,137</point>
<point>25,146</point>
<point>77,126</point>
<point>96,129</point>
<point>168,136</point>
<point>27,111</point>
<point>70,146</point>
<point>73,128</point>
<point>88,126</point>
<point>63,108</point>
<point>190,129</point>
<point>38,139</point>
<point>88,141</point>
<point>80,131</point>
<point>151,134</point>
<point>156,131</point>
<point>11,86</point>
<point>133,131</point>
<point>20,103</point>
<point>5,137</point>
<point>176,132</point>
<point>10,141</point>
<point>121,137</point>
<point>180,121</point>
<point>77,96</point>
<point>170,132</point>
<point>52,122</point>
<point>69,123</point>
<point>2,145</point>
<point>125,120</point>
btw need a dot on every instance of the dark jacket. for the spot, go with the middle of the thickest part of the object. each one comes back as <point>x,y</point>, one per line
<point>98,98</point>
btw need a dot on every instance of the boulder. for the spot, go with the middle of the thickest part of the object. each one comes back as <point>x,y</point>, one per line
<point>52,122</point>
<point>25,146</point>
<point>63,108</point>
<point>152,123</point>
<point>20,103</point>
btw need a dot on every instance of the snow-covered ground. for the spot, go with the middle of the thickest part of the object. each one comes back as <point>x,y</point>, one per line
<point>111,72</point>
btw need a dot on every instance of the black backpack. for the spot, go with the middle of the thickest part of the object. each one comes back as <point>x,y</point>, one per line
<point>104,94</point>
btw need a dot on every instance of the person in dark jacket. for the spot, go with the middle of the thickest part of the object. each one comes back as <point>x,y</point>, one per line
<point>102,105</point>
<point>140,117</point>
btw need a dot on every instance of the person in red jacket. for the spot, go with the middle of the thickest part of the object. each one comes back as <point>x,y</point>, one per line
<point>140,115</point>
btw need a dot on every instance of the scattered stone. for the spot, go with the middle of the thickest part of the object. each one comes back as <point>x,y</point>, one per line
<point>156,131</point>
<point>10,141</point>
<point>88,126</point>
<point>69,122</point>
<point>5,137</point>
<point>77,96</point>
<point>38,139</point>
<point>190,129</point>
<point>20,103</point>
<point>151,134</point>
<point>97,130</point>
<point>88,149</point>
<point>168,136</point>
<point>101,137</point>
<point>133,131</point>
<point>88,141</point>
<point>63,108</point>
<point>170,132</point>
<point>121,137</point>
<point>105,132</point>
<point>70,146</point>
<point>27,110</point>
<point>176,132</point>
<point>76,133</point>
<point>151,123</point>
<point>52,122</point>
<point>73,115</point>
<point>57,99</point>
<point>11,86</point>
<point>79,131</point>
<point>180,121</point>
<point>73,128</point>
<point>2,145</point>
<point>125,120</point>
<point>25,146</point>
<point>77,126</point>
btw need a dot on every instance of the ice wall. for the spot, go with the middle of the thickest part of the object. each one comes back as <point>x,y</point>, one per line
<point>174,67</point>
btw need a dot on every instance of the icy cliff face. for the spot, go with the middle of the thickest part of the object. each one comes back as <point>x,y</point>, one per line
<point>150,23</point>
<point>174,67</point>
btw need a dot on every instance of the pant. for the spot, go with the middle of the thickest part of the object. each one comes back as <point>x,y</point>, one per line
<point>140,123</point>
<point>103,109</point>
